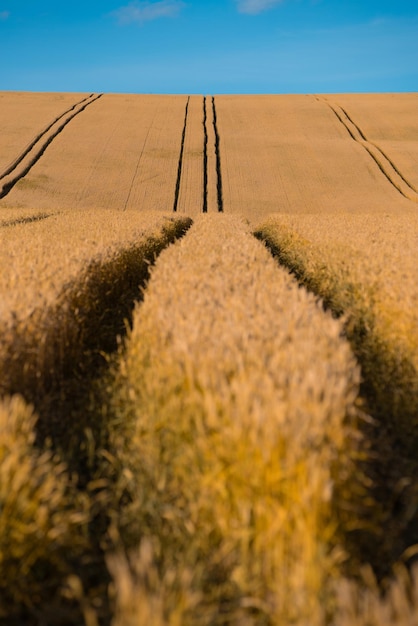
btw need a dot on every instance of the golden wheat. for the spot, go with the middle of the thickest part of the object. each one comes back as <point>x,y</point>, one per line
<point>120,153</point>
<point>40,258</point>
<point>67,281</point>
<point>220,474</point>
<point>68,287</point>
<point>230,421</point>
<point>292,154</point>
<point>390,122</point>
<point>24,115</point>
<point>43,521</point>
<point>364,266</point>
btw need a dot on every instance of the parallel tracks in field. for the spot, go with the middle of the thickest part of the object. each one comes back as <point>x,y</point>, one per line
<point>384,163</point>
<point>211,166</point>
<point>211,158</point>
<point>31,154</point>
<point>212,197</point>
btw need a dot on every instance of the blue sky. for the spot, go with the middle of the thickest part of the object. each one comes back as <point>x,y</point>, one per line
<point>209,47</point>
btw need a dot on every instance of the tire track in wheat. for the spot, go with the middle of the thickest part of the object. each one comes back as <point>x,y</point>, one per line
<point>211,159</point>
<point>384,163</point>
<point>180,164</point>
<point>205,157</point>
<point>30,219</point>
<point>9,168</point>
<point>33,152</point>
<point>218,158</point>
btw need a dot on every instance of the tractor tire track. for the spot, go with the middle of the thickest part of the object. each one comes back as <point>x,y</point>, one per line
<point>25,220</point>
<point>205,157</point>
<point>384,163</point>
<point>211,160</point>
<point>218,158</point>
<point>9,168</point>
<point>180,164</point>
<point>35,149</point>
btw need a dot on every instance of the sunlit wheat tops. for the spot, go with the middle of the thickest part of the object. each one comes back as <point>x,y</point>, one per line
<point>39,258</point>
<point>364,266</point>
<point>66,279</point>
<point>230,415</point>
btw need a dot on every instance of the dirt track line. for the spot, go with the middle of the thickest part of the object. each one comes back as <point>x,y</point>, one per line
<point>26,220</point>
<point>218,158</point>
<point>384,163</point>
<point>385,156</point>
<point>205,158</point>
<point>180,165</point>
<point>9,168</point>
<point>33,152</point>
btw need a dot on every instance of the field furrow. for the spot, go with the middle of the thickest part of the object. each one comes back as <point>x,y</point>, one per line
<point>25,161</point>
<point>205,156</point>
<point>387,167</point>
<point>121,153</point>
<point>232,407</point>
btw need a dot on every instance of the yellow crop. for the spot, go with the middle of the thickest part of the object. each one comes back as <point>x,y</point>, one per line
<point>64,278</point>
<point>234,402</point>
<point>42,519</point>
<point>198,438</point>
<point>364,267</point>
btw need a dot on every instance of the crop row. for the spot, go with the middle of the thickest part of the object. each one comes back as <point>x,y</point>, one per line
<point>232,406</point>
<point>364,269</point>
<point>68,284</point>
<point>237,446</point>
<point>67,291</point>
<point>229,451</point>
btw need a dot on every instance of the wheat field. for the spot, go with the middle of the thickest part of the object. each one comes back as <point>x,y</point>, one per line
<point>208,360</point>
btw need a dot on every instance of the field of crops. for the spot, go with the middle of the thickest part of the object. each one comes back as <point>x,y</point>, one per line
<point>208,360</point>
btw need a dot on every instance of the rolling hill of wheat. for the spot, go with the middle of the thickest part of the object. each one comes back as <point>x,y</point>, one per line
<point>208,360</point>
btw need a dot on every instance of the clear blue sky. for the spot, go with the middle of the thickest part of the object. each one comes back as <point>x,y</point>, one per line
<point>212,46</point>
